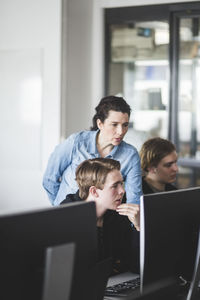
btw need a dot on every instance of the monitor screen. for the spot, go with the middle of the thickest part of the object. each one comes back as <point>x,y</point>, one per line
<point>24,238</point>
<point>169,234</point>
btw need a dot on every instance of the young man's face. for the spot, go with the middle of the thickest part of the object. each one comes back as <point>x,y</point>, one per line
<point>167,169</point>
<point>111,195</point>
<point>114,127</point>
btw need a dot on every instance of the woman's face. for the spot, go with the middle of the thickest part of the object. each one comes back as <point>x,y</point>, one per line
<point>114,128</point>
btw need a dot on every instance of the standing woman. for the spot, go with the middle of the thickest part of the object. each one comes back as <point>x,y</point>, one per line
<point>105,139</point>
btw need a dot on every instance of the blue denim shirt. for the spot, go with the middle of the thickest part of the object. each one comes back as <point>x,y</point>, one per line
<point>59,178</point>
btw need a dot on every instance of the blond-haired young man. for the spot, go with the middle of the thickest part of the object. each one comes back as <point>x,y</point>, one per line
<point>100,180</point>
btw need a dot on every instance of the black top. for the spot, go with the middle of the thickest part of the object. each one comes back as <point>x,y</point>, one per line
<point>117,239</point>
<point>72,198</point>
<point>147,189</point>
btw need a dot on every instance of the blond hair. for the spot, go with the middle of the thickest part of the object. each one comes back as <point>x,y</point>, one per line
<point>93,172</point>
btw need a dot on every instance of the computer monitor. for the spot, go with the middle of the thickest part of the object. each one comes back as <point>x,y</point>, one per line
<point>194,291</point>
<point>24,238</point>
<point>169,234</point>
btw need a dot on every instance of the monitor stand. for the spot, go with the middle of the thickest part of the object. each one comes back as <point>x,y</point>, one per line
<point>58,272</point>
<point>194,290</point>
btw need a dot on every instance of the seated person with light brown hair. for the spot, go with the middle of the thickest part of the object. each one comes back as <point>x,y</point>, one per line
<point>100,180</point>
<point>159,165</point>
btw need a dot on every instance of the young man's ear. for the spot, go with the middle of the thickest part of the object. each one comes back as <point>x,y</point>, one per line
<point>152,170</point>
<point>93,191</point>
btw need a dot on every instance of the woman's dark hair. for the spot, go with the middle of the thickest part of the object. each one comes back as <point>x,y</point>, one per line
<point>105,105</point>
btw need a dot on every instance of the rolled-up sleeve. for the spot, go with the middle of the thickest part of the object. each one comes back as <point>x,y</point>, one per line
<point>133,179</point>
<point>131,171</point>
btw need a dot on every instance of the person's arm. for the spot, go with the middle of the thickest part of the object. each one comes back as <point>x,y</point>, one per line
<point>132,211</point>
<point>133,180</point>
<point>57,164</point>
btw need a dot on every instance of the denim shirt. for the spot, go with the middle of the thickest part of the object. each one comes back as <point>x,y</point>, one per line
<point>59,178</point>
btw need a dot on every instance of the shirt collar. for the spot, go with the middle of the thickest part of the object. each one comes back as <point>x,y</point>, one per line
<point>93,147</point>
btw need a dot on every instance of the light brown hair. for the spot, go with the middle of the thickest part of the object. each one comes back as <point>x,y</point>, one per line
<point>153,151</point>
<point>93,172</point>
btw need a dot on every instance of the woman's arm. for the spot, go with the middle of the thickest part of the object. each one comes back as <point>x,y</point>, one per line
<point>133,180</point>
<point>57,164</point>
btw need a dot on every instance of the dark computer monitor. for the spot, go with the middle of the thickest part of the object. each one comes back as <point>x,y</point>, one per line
<point>24,238</point>
<point>169,235</point>
<point>194,291</point>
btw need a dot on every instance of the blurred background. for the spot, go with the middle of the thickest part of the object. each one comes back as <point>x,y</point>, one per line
<point>59,57</point>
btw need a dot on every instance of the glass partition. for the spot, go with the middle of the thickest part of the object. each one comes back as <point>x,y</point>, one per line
<point>152,59</point>
<point>189,88</point>
<point>139,71</point>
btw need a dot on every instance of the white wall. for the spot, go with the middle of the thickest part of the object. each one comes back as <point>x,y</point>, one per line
<point>77,61</point>
<point>30,38</point>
